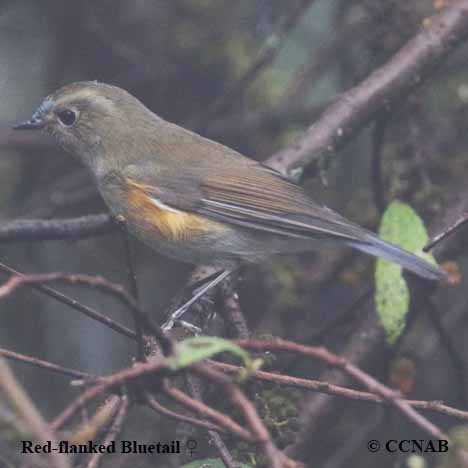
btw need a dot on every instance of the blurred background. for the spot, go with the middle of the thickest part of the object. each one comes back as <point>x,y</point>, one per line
<point>185,59</point>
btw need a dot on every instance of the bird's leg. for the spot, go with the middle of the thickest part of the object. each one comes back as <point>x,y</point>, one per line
<point>231,310</point>
<point>198,287</point>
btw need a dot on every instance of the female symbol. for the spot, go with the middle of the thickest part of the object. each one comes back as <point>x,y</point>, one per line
<point>191,445</point>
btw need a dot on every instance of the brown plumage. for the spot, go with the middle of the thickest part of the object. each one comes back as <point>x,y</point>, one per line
<point>177,226</point>
<point>190,197</point>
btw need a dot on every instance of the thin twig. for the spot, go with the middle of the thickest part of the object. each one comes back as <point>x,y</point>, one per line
<point>344,315</point>
<point>318,411</point>
<point>196,389</point>
<point>96,282</point>
<point>357,439</point>
<point>337,390</point>
<point>365,379</point>
<point>159,408</point>
<point>105,384</point>
<point>114,431</point>
<point>276,459</point>
<point>459,223</point>
<point>132,281</point>
<point>455,356</point>
<point>64,299</point>
<point>201,408</point>
<point>223,451</point>
<point>23,405</point>
<point>90,427</point>
<point>36,362</point>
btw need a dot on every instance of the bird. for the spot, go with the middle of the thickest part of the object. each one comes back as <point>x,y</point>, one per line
<point>189,197</point>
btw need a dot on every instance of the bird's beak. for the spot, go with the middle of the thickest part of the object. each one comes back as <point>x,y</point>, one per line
<point>36,122</point>
<point>33,124</point>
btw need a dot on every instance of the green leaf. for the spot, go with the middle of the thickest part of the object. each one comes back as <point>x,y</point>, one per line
<point>210,463</point>
<point>401,226</point>
<point>198,348</point>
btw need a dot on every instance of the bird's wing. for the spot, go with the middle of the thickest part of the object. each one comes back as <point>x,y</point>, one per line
<point>214,181</point>
<point>262,199</point>
<point>248,194</point>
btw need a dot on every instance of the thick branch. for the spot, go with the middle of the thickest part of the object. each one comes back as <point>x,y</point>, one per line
<point>56,229</point>
<point>389,83</point>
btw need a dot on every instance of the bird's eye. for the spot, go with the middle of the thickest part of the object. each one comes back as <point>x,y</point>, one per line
<point>67,117</point>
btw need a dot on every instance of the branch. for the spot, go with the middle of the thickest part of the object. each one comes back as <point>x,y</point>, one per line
<point>92,425</point>
<point>133,284</point>
<point>23,405</point>
<point>337,390</point>
<point>459,223</point>
<point>36,362</point>
<point>196,389</point>
<point>101,284</point>
<point>105,384</point>
<point>276,459</point>
<point>457,357</point>
<point>64,299</point>
<point>388,84</point>
<point>357,374</point>
<point>159,408</point>
<point>35,141</point>
<point>113,433</point>
<point>22,230</point>
<point>207,412</point>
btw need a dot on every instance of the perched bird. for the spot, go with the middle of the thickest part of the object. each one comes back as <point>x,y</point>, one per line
<point>192,198</point>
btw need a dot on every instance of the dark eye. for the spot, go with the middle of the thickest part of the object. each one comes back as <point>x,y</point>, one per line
<point>67,117</point>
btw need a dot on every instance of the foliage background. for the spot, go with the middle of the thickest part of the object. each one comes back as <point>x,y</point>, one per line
<point>179,57</point>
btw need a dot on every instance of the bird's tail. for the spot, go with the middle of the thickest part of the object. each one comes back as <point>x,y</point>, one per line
<point>379,248</point>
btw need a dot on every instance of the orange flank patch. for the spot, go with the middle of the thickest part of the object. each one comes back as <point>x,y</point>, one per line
<point>172,224</point>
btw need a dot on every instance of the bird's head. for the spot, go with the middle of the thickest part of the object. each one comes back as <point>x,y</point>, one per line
<point>92,120</point>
